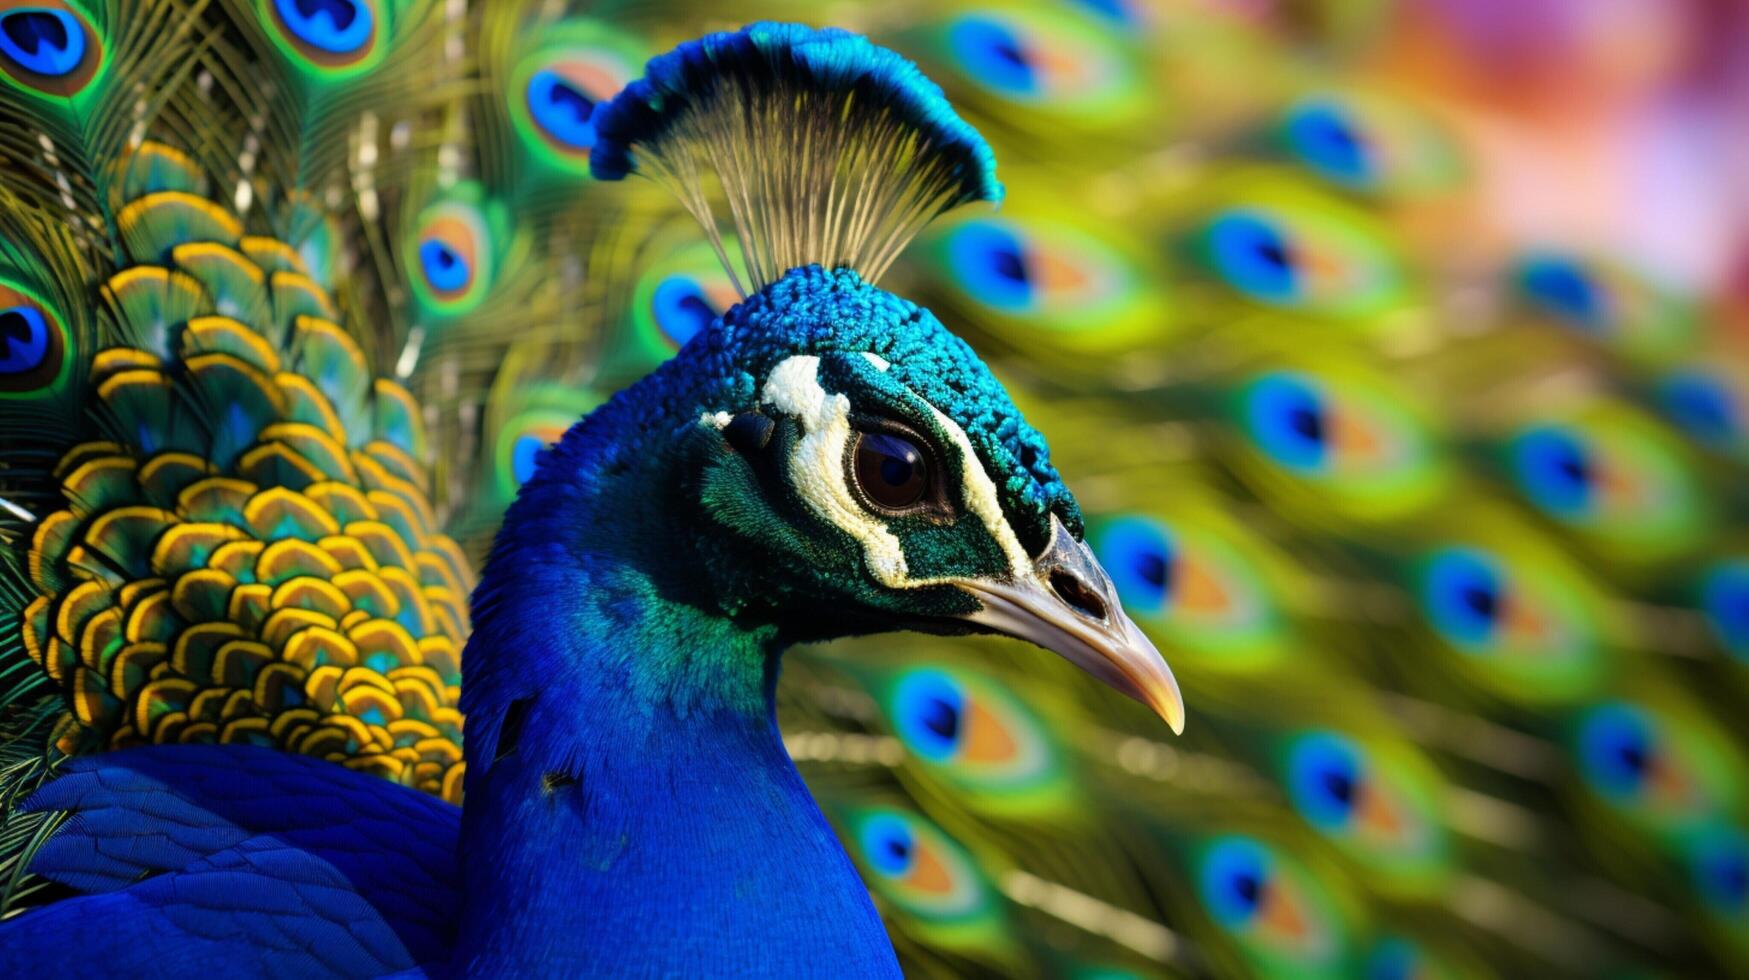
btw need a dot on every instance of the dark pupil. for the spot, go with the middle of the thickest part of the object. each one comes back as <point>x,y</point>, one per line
<point>1249,889</point>
<point>341,10</point>
<point>1340,787</point>
<point>13,326</point>
<point>890,469</point>
<point>1307,422</point>
<point>1481,602</point>
<point>31,28</point>
<point>941,718</point>
<point>1633,757</point>
<point>1273,252</point>
<point>579,104</point>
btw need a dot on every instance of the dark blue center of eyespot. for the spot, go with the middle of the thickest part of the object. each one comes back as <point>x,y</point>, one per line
<point>1324,778</point>
<point>1009,264</point>
<point>889,844</point>
<point>1140,556</point>
<point>334,26</point>
<point>1151,568</point>
<point>989,261</point>
<point>929,706</point>
<point>1617,743</point>
<point>1565,289</point>
<point>1248,887</point>
<point>1324,137</point>
<point>1462,594</point>
<point>1253,256</point>
<point>561,109</point>
<point>990,52</point>
<point>1234,880</point>
<point>680,308</point>
<point>1721,869</point>
<point>1725,599</point>
<point>45,42</point>
<point>444,267</point>
<point>1701,405</point>
<point>1340,787</point>
<point>1287,419</point>
<point>941,718</point>
<point>24,339</point>
<point>1556,470</point>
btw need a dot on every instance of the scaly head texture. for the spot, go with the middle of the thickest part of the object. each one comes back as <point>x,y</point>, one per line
<point>826,147</point>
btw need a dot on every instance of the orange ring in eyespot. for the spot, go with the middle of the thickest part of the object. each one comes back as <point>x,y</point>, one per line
<point>448,246</point>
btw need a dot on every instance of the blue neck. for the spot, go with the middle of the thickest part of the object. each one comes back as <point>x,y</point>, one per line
<point>630,805</point>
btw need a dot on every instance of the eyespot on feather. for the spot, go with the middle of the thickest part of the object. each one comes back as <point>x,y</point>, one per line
<point>49,47</point>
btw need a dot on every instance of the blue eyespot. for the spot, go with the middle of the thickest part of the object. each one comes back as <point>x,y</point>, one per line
<point>990,262</point>
<point>1138,555</point>
<point>1463,593</point>
<point>45,42</point>
<point>1288,420</point>
<point>1703,407</point>
<point>444,267</point>
<point>1394,959</point>
<point>1323,136</point>
<point>561,109</point>
<point>1617,749</point>
<point>930,710</point>
<point>1719,864</point>
<point>888,844</point>
<point>681,309</point>
<point>1235,876</point>
<point>993,54</point>
<point>1325,775</point>
<point>1253,257</point>
<point>1556,470</point>
<point>1725,600</point>
<point>333,26</point>
<point>1564,289</point>
<point>24,339</point>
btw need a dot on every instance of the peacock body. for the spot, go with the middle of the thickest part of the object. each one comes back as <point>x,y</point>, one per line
<point>301,304</point>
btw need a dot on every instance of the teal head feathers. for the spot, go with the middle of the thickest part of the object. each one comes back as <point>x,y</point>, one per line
<point>825,458</point>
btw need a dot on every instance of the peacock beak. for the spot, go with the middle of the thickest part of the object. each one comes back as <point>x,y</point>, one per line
<point>1069,606</point>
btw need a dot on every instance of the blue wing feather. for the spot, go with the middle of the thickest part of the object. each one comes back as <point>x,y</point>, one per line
<point>234,858</point>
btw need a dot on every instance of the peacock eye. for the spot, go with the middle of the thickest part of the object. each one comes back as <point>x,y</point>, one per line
<point>891,471</point>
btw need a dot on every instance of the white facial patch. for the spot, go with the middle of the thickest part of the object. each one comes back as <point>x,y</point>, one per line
<point>817,465</point>
<point>817,471</point>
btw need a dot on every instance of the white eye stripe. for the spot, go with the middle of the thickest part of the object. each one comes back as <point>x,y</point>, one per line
<point>982,499</point>
<point>817,471</point>
<point>817,464</point>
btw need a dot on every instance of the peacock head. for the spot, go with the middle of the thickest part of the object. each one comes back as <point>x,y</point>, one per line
<point>856,467</point>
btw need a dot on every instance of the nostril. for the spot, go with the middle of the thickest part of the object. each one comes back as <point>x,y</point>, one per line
<point>1078,594</point>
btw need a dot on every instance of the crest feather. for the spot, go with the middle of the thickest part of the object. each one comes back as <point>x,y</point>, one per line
<point>822,147</point>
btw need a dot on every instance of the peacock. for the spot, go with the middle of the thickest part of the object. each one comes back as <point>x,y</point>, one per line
<point>424,429</point>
